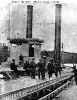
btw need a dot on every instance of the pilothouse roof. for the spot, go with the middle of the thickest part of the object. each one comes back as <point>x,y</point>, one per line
<point>25,40</point>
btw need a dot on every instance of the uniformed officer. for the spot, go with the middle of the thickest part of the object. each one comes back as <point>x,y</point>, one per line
<point>56,68</point>
<point>40,68</point>
<point>13,67</point>
<point>75,73</point>
<point>59,69</point>
<point>50,68</point>
<point>44,65</point>
<point>33,68</point>
<point>26,67</point>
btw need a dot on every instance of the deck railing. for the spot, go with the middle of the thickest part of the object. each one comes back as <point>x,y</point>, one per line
<point>15,95</point>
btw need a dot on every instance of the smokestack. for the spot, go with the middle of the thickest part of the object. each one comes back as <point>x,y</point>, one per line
<point>29,21</point>
<point>57,47</point>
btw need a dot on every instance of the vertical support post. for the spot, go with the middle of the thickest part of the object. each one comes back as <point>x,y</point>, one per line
<point>73,59</point>
<point>37,95</point>
<point>62,56</point>
<point>44,91</point>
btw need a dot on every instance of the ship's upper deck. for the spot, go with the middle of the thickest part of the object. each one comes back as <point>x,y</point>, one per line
<point>25,40</point>
<point>23,82</point>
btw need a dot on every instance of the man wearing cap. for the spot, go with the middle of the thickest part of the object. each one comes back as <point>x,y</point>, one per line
<point>33,68</point>
<point>40,68</point>
<point>56,68</point>
<point>13,67</point>
<point>50,68</point>
<point>26,67</point>
<point>75,73</point>
<point>44,64</point>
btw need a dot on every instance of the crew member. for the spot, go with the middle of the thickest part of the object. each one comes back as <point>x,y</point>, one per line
<point>75,73</point>
<point>44,64</point>
<point>26,67</point>
<point>59,68</point>
<point>33,68</point>
<point>56,68</point>
<point>40,68</point>
<point>13,67</point>
<point>50,68</point>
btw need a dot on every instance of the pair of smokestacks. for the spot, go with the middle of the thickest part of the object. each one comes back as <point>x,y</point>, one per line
<point>57,46</point>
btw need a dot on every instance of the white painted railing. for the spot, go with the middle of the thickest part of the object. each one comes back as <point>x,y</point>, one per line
<point>15,95</point>
<point>55,92</point>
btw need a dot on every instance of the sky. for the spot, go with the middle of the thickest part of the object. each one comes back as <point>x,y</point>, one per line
<point>43,23</point>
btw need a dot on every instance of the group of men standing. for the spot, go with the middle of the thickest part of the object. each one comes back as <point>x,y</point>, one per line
<point>31,67</point>
<point>41,68</point>
<point>54,68</point>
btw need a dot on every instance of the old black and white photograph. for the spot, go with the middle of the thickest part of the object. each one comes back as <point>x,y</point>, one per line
<point>38,50</point>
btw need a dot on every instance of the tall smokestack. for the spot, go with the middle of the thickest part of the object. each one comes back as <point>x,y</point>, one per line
<point>29,21</point>
<point>58,33</point>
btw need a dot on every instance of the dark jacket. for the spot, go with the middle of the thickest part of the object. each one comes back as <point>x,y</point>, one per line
<point>75,72</point>
<point>50,67</point>
<point>13,67</point>
<point>26,66</point>
<point>33,65</point>
<point>40,66</point>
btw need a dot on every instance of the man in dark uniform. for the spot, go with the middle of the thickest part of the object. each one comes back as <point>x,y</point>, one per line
<point>26,67</point>
<point>56,68</point>
<point>75,73</point>
<point>44,65</point>
<point>59,69</point>
<point>13,67</point>
<point>33,68</point>
<point>50,68</point>
<point>40,68</point>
